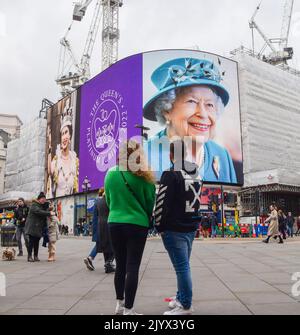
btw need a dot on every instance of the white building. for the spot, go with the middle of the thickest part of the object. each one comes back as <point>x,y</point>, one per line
<point>11,124</point>
<point>25,163</point>
<point>270,116</point>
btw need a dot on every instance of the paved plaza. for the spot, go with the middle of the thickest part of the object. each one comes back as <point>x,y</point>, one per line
<point>232,276</point>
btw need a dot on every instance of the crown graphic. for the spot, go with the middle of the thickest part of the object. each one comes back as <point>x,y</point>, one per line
<point>66,117</point>
<point>104,127</point>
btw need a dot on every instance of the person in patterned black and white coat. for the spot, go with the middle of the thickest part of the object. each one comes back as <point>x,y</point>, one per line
<point>176,219</point>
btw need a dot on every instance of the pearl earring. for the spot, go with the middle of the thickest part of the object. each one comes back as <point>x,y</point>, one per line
<point>168,122</point>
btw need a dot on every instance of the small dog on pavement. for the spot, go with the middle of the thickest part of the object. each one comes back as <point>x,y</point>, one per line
<point>9,254</point>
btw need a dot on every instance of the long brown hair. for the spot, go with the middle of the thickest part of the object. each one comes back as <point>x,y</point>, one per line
<point>132,158</point>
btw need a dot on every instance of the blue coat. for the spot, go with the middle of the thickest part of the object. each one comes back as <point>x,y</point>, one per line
<point>159,160</point>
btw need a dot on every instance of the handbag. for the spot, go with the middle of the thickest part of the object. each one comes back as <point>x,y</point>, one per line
<point>151,218</point>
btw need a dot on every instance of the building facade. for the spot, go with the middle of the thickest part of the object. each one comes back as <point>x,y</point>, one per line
<point>11,124</point>
<point>270,115</point>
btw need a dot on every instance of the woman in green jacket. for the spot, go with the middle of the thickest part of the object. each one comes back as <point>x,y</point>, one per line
<point>130,195</point>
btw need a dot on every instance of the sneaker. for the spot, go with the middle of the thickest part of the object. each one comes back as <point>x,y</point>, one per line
<point>130,312</point>
<point>120,307</point>
<point>179,310</point>
<point>109,267</point>
<point>89,264</point>
<point>36,259</point>
<point>30,259</point>
<point>173,303</point>
<point>20,253</point>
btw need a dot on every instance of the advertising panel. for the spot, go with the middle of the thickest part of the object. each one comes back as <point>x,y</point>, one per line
<point>194,96</point>
<point>62,161</point>
<point>162,95</point>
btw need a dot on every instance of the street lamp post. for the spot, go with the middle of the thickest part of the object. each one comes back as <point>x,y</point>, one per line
<point>222,211</point>
<point>86,186</point>
<point>143,130</point>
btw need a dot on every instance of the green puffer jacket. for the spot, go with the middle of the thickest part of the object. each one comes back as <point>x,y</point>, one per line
<point>36,220</point>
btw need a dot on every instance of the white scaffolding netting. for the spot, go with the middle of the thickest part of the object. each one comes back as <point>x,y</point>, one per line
<point>25,163</point>
<point>270,116</point>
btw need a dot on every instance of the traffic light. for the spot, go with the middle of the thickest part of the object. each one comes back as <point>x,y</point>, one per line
<point>230,198</point>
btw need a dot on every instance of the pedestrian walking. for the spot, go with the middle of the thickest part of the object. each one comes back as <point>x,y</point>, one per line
<point>213,224</point>
<point>273,230</point>
<point>176,214</point>
<point>35,224</point>
<point>78,228</point>
<point>88,261</point>
<point>104,243</point>
<point>101,235</point>
<point>290,224</point>
<point>130,196</point>
<point>53,231</point>
<point>282,223</point>
<point>205,225</point>
<point>298,226</point>
<point>20,215</point>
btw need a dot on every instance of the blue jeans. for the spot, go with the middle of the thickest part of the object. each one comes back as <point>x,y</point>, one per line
<point>179,248</point>
<point>290,230</point>
<point>93,253</point>
<point>213,231</point>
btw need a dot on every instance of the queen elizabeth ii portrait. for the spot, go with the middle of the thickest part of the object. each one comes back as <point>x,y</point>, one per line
<point>188,103</point>
<point>63,163</point>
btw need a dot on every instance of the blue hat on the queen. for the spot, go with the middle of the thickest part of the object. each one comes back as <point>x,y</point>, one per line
<point>183,72</point>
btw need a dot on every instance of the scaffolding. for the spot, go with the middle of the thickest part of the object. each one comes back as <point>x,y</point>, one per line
<point>255,201</point>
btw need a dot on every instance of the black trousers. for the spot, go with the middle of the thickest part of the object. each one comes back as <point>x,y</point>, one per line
<point>33,244</point>
<point>128,241</point>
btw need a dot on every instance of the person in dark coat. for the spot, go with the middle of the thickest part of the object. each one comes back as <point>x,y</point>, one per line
<point>101,235</point>
<point>20,215</point>
<point>103,243</point>
<point>290,224</point>
<point>298,226</point>
<point>35,225</point>
<point>205,225</point>
<point>282,223</point>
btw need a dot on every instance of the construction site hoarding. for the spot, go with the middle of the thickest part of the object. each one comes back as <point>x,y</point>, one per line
<point>175,93</point>
<point>25,162</point>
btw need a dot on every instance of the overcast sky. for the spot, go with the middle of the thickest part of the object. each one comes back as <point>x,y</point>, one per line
<point>30,31</point>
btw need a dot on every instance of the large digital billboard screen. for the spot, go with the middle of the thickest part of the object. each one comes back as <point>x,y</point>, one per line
<point>195,96</point>
<point>174,93</point>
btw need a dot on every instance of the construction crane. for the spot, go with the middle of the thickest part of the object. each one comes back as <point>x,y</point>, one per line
<point>68,80</point>
<point>280,54</point>
<point>286,24</point>
<point>80,10</point>
<point>110,32</point>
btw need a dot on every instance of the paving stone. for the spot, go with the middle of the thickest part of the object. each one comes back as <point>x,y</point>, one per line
<point>229,277</point>
<point>229,307</point>
<point>20,311</point>
<point>276,309</point>
<point>264,298</point>
<point>46,302</point>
